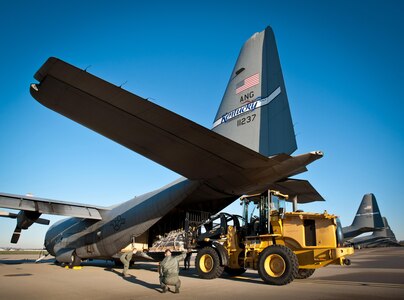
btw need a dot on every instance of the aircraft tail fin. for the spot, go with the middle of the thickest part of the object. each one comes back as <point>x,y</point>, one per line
<point>368,214</point>
<point>385,232</point>
<point>254,110</point>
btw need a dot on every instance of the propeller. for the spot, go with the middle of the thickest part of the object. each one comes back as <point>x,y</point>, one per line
<point>7,214</point>
<point>16,235</point>
<point>24,220</point>
<point>42,221</point>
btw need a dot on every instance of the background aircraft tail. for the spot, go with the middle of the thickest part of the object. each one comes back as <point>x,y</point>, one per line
<point>379,238</point>
<point>367,218</point>
<point>254,110</point>
<point>368,214</point>
<point>385,232</point>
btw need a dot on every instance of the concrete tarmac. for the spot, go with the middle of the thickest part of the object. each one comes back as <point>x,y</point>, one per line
<point>374,274</point>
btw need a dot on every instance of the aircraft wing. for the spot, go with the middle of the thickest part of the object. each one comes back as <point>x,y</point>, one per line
<point>142,126</point>
<point>52,207</point>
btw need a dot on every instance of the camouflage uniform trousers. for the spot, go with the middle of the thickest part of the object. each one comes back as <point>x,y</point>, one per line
<point>125,259</point>
<point>170,280</point>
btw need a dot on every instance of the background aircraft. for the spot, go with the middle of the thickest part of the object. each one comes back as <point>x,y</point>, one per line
<point>248,151</point>
<point>379,238</point>
<point>367,218</point>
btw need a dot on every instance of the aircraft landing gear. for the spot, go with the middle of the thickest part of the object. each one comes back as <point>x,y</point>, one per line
<point>75,261</point>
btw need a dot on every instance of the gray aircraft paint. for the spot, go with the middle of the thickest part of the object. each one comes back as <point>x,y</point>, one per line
<point>261,122</point>
<point>367,218</point>
<point>123,222</point>
<point>379,238</point>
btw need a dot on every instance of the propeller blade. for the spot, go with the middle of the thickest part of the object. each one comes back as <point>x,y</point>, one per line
<point>7,214</point>
<point>16,235</point>
<point>42,221</point>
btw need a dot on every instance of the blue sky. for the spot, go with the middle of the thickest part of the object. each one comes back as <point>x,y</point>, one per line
<point>342,64</point>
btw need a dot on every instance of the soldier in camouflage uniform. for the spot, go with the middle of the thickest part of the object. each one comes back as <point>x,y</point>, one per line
<point>126,257</point>
<point>169,269</point>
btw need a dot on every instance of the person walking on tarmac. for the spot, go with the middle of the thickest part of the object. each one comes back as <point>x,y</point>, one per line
<point>187,260</point>
<point>169,269</point>
<point>126,257</point>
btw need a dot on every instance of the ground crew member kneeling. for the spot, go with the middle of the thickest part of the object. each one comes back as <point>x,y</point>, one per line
<point>169,269</point>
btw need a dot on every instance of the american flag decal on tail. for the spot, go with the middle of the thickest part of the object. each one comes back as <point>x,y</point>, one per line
<point>247,83</point>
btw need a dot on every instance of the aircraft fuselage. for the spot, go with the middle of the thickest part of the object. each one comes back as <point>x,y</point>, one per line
<point>101,239</point>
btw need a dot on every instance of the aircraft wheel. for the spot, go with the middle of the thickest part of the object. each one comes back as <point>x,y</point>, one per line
<point>277,265</point>
<point>304,273</point>
<point>234,272</point>
<point>207,263</point>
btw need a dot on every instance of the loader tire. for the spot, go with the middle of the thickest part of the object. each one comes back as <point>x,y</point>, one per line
<point>304,273</point>
<point>207,263</point>
<point>277,265</point>
<point>234,272</point>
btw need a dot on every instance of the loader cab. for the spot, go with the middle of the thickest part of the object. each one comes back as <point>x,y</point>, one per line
<point>260,209</point>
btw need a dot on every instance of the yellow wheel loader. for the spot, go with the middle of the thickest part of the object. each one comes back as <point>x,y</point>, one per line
<point>281,245</point>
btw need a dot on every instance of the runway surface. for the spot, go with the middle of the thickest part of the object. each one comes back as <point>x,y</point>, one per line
<point>373,274</point>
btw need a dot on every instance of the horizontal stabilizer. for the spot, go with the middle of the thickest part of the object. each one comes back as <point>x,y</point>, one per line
<point>140,125</point>
<point>163,136</point>
<point>302,189</point>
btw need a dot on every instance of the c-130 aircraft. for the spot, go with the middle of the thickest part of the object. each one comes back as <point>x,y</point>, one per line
<point>248,151</point>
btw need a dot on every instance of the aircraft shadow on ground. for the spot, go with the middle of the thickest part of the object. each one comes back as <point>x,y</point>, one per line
<point>135,280</point>
<point>146,266</point>
<point>246,277</point>
<point>24,261</point>
<point>375,263</point>
<point>253,277</point>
